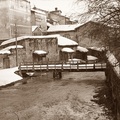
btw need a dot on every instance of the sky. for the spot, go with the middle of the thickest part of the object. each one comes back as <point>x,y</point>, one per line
<point>64,5</point>
<point>50,5</point>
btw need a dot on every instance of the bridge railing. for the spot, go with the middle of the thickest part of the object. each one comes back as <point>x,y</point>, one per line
<point>53,65</point>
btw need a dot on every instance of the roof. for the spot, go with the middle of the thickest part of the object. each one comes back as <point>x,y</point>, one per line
<point>5,52</point>
<point>70,27</point>
<point>7,49</point>
<point>34,28</point>
<point>40,52</point>
<point>82,49</point>
<point>62,41</point>
<point>68,50</point>
<point>57,28</point>
<point>48,24</point>
<point>39,11</point>
<point>90,57</point>
<point>12,47</point>
<point>97,48</point>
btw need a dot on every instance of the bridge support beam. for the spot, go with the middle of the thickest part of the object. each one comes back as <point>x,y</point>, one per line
<point>57,74</point>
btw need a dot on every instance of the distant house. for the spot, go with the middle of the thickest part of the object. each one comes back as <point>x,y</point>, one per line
<point>39,18</point>
<point>68,31</point>
<point>34,49</point>
<point>86,34</point>
<point>14,18</point>
<point>56,18</point>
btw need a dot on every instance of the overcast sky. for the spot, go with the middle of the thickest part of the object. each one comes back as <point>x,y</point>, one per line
<point>63,5</point>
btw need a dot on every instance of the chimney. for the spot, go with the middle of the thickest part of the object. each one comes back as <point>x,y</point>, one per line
<point>56,9</point>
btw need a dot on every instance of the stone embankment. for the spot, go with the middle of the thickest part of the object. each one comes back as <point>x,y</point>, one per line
<point>113,79</point>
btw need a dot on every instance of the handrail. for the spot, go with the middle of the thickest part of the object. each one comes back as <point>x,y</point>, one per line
<point>61,66</point>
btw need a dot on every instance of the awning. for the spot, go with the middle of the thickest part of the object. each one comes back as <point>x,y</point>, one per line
<point>68,50</point>
<point>40,52</point>
<point>82,49</point>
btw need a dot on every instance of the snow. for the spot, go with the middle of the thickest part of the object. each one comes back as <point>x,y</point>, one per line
<point>62,41</point>
<point>8,76</point>
<point>68,50</point>
<point>39,52</point>
<point>38,11</point>
<point>5,52</point>
<point>75,60</point>
<point>97,48</point>
<point>113,61</point>
<point>82,49</point>
<point>90,57</point>
<point>34,28</point>
<point>12,47</point>
<point>55,28</point>
<point>7,49</point>
<point>48,24</point>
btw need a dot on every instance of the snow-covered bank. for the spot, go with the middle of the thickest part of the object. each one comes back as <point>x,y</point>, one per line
<point>8,76</point>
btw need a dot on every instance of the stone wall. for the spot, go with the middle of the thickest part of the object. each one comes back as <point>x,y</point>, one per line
<point>113,79</point>
<point>25,54</point>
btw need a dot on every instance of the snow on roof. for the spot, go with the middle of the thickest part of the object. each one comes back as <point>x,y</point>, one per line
<point>34,28</point>
<point>55,28</point>
<point>38,11</point>
<point>40,52</point>
<point>62,41</point>
<point>68,50</point>
<point>82,49</point>
<point>97,48</point>
<point>7,49</point>
<point>8,76</point>
<point>12,47</point>
<point>90,57</point>
<point>48,24</point>
<point>5,52</point>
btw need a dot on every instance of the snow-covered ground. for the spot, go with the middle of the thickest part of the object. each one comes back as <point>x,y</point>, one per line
<point>8,76</point>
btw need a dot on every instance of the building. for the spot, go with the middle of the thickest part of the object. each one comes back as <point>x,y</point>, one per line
<point>15,18</point>
<point>87,34</point>
<point>33,49</point>
<point>39,18</point>
<point>56,18</point>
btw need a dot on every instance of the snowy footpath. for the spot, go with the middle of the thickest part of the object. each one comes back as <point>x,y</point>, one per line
<point>8,76</point>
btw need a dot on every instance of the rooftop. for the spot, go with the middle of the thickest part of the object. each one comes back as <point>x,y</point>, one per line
<point>62,41</point>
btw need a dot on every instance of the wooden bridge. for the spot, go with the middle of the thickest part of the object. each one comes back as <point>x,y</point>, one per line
<point>61,67</point>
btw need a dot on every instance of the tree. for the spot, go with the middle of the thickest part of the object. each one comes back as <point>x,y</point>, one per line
<point>108,14</point>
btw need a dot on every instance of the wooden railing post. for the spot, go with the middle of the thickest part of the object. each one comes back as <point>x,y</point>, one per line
<point>47,66</point>
<point>70,66</point>
<point>86,66</point>
<point>77,66</point>
<point>101,65</point>
<point>62,66</point>
<point>33,66</point>
<point>94,66</point>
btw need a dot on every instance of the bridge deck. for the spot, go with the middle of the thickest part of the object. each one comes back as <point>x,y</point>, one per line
<point>63,67</point>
